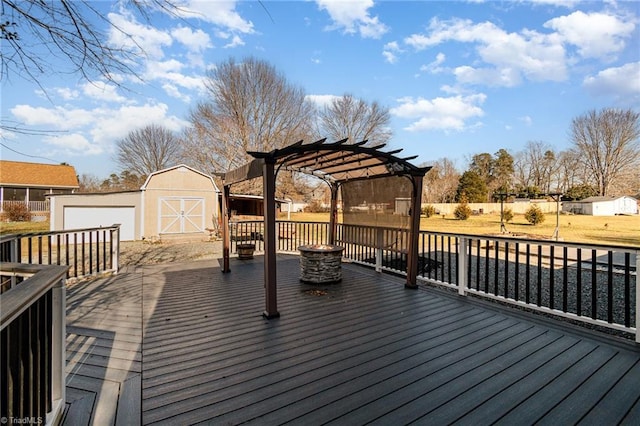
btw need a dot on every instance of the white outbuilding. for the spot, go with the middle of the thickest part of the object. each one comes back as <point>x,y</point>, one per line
<point>602,206</point>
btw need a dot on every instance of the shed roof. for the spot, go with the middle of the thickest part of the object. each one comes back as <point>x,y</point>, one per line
<point>600,199</point>
<point>178,167</point>
<point>336,161</point>
<point>23,174</point>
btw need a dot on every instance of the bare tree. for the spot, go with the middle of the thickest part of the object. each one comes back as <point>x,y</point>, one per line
<point>536,167</point>
<point>441,182</point>
<point>251,107</point>
<point>608,144</point>
<point>348,117</point>
<point>33,32</point>
<point>147,150</point>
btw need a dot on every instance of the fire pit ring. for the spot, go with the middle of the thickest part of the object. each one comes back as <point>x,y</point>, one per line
<point>320,263</point>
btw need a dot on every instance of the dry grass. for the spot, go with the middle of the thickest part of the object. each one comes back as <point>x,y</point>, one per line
<point>23,227</point>
<point>609,230</point>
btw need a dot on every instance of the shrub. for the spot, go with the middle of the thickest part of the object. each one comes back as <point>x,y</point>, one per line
<point>17,212</point>
<point>507,215</point>
<point>463,211</point>
<point>534,215</point>
<point>428,210</point>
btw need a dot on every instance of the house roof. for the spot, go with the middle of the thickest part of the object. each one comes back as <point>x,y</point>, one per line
<point>17,173</point>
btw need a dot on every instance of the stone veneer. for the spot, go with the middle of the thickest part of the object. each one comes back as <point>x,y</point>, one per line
<point>320,263</point>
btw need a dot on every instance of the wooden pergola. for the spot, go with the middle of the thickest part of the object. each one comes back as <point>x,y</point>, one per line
<point>335,163</point>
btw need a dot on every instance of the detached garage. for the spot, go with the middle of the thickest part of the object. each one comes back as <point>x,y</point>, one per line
<point>602,206</point>
<point>178,202</point>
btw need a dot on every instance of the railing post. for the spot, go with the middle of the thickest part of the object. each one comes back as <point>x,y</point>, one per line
<point>379,244</point>
<point>115,248</point>
<point>463,247</point>
<point>637,296</point>
<point>58,354</point>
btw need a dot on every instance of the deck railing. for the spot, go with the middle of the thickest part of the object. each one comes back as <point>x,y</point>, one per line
<point>33,206</point>
<point>32,320</point>
<point>593,284</point>
<point>86,252</point>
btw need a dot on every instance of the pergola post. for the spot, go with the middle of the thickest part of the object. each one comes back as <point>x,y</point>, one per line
<point>226,240</point>
<point>270,285</point>
<point>333,217</point>
<point>414,232</point>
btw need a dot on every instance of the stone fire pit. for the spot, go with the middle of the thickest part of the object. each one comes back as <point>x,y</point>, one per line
<point>320,263</point>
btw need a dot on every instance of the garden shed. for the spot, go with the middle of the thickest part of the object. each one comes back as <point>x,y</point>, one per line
<point>175,203</point>
<point>602,206</point>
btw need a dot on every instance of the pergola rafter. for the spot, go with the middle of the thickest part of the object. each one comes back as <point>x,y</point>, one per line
<point>335,163</point>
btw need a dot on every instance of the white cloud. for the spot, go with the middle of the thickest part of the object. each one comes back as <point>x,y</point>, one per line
<point>596,35</point>
<point>621,83</point>
<point>58,118</point>
<point>509,57</point>
<point>321,101</point>
<point>528,121</point>
<point>102,91</point>
<point>128,34</point>
<point>171,74</point>
<point>66,93</point>
<point>353,17</point>
<point>390,52</point>
<point>434,66</point>
<point>236,40</point>
<point>195,41</point>
<point>73,144</point>
<point>94,131</point>
<point>452,113</point>
<point>220,13</point>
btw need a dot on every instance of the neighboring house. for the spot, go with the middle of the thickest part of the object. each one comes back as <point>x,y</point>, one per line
<point>177,202</point>
<point>602,206</point>
<point>32,182</point>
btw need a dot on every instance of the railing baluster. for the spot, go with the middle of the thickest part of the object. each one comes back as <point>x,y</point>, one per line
<point>552,262</point>
<point>496,267</point>
<point>539,278</point>
<point>594,291</point>
<point>565,272</point>
<point>610,287</point>
<point>516,287</point>
<point>506,269</point>
<point>627,290</point>
<point>527,274</point>
<point>579,282</point>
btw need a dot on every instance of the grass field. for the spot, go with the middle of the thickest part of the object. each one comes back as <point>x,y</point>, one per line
<point>612,230</point>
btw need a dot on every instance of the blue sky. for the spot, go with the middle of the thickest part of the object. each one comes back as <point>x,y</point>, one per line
<point>459,78</point>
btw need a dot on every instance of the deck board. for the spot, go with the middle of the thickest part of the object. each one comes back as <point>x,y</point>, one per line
<point>366,350</point>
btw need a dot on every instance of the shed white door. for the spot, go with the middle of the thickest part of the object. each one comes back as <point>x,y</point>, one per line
<point>181,215</point>
<point>95,217</point>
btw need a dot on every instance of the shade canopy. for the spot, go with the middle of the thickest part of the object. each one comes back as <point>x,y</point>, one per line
<point>334,162</point>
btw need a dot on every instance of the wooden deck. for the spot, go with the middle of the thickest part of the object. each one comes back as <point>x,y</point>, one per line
<point>186,344</point>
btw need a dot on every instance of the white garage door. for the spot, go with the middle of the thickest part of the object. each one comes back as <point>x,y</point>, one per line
<point>95,217</point>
